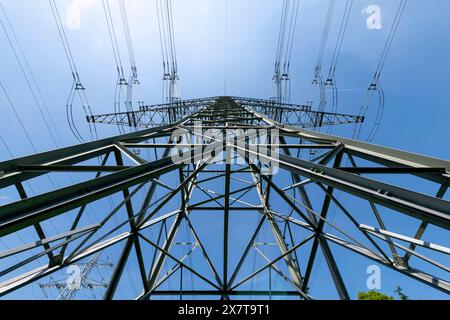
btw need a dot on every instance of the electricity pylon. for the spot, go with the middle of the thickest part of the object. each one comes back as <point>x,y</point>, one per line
<point>255,225</point>
<point>69,288</point>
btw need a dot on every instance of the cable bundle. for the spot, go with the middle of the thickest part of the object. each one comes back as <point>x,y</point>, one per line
<point>168,50</point>
<point>281,78</point>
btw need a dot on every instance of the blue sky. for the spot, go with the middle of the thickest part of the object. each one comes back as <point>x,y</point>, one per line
<point>415,77</point>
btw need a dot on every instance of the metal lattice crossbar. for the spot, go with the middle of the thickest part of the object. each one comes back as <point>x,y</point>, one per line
<point>292,114</point>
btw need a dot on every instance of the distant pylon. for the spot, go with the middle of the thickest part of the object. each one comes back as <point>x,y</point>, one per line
<point>79,280</point>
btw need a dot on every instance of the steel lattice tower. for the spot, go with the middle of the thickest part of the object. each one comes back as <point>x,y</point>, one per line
<point>331,195</point>
<point>69,289</point>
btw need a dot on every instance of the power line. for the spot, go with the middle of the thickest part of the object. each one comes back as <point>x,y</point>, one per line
<point>27,135</point>
<point>339,41</point>
<point>318,77</point>
<point>168,50</point>
<point>390,39</point>
<point>375,86</point>
<point>113,39</point>
<point>33,78</point>
<point>127,33</point>
<point>325,36</point>
<point>18,117</point>
<point>133,82</point>
<point>121,81</point>
<point>331,79</point>
<point>24,73</point>
<point>286,35</point>
<point>77,88</point>
<point>63,37</point>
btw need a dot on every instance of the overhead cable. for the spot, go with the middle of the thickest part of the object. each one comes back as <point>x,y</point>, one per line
<point>330,83</point>
<point>77,88</point>
<point>375,85</point>
<point>285,44</point>
<point>168,50</point>
<point>318,77</point>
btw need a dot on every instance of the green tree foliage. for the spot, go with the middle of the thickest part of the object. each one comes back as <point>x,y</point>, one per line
<point>400,293</point>
<point>373,295</point>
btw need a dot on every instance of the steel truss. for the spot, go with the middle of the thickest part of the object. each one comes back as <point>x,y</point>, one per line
<point>297,218</point>
<point>292,114</point>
